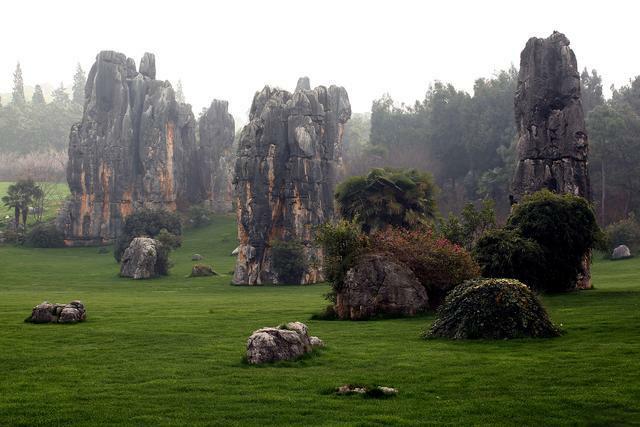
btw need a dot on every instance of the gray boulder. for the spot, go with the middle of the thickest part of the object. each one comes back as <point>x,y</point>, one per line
<point>380,285</point>
<point>47,312</point>
<point>286,342</point>
<point>621,252</point>
<point>141,259</point>
<point>197,257</point>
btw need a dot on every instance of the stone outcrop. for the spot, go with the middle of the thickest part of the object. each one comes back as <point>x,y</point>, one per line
<point>378,285</point>
<point>216,157</point>
<point>287,342</point>
<point>553,145</point>
<point>47,312</point>
<point>142,259</point>
<point>287,159</point>
<point>135,147</point>
<point>552,137</point>
<point>621,252</point>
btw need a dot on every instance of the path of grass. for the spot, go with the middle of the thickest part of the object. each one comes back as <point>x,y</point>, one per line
<point>168,351</point>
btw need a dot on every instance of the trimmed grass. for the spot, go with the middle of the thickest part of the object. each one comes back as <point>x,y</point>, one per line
<point>168,351</point>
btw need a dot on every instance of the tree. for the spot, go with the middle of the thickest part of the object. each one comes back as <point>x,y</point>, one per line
<point>38,96</point>
<point>79,82</point>
<point>179,93</point>
<point>387,196</point>
<point>591,90</point>
<point>18,87</point>
<point>60,95</point>
<point>19,197</point>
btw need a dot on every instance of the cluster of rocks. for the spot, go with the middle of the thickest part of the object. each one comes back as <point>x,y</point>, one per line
<point>379,285</point>
<point>136,147</point>
<point>285,342</point>
<point>47,312</point>
<point>143,259</point>
<point>285,175</point>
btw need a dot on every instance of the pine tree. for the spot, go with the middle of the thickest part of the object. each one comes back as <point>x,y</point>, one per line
<point>38,96</point>
<point>79,82</point>
<point>60,95</point>
<point>179,93</point>
<point>18,87</point>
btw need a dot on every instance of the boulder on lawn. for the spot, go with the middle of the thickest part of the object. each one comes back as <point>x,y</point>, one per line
<point>201,270</point>
<point>142,259</point>
<point>47,312</point>
<point>379,285</point>
<point>197,257</point>
<point>285,342</point>
<point>621,252</point>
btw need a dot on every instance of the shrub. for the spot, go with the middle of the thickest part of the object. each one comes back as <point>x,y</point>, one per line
<point>505,253</point>
<point>565,228</point>
<point>199,216</point>
<point>492,309</point>
<point>146,222</point>
<point>44,235</point>
<point>341,242</point>
<point>288,261</point>
<point>624,232</point>
<point>471,225</point>
<point>437,263</point>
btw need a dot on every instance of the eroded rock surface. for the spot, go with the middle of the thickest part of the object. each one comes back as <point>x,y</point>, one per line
<point>141,260</point>
<point>47,312</point>
<point>286,342</point>
<point>379,285</point>
<point>552,137</point>
<point>285,175</point>
<point>132,149</point>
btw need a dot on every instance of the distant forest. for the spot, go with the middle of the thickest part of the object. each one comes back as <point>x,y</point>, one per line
<point>467,141</point>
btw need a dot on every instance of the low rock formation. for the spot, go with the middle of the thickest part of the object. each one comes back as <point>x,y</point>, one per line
<point>371,391</point>
<point>379,285</point>
<point>621,252</point>
<point>142,259</point>
<point>216,157</point>
<point>552,137</point>
<point>201,270</point>
<point>197,257</point>
<point>57,313</point>
<point>285,173</point>
<point>286,342</point>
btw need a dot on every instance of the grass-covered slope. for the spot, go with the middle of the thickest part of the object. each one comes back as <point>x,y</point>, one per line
<point>168,351</point>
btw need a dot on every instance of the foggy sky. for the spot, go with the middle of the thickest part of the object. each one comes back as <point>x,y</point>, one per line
<point>230,49</point>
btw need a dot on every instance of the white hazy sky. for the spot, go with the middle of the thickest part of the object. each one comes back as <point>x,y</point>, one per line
<point>230,49</point>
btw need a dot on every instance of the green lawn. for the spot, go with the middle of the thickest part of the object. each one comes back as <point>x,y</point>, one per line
<point>168,351</point>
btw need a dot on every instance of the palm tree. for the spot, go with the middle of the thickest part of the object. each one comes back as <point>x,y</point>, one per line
<point>19,196</point>
<point>386,196</point>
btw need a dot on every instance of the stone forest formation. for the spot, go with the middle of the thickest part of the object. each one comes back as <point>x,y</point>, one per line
<point>136,147</point>
<point>285,176</point>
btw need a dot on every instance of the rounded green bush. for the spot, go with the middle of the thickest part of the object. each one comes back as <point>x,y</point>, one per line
<point>44,235</point>
<point>492,309</point>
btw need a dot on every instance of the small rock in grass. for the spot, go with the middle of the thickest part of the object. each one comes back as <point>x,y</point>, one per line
<point>316,342</point>
<point>368,390</point>
<point>285,342</point>
<point>197,257</point>
<point>621,252</point>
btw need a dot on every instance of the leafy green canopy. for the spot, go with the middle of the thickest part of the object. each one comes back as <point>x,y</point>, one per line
<point>386,196</point>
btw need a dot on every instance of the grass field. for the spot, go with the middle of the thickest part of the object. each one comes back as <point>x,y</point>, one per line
<point>168,351</point>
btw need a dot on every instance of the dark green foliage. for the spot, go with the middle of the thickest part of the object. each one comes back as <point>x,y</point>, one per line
<point>341,242</point>
<point>492,309</point>
<point>20,196</point>
<point>149,223</point>
<point>288,261</point>
<point>565,228</point>
<point>624,232</point>
<point>472,223</point>
<point>44,235</point>
<point>79,82</point>
<point>199,216</point>
<point>18,98</point>
<point>505,253</point>
<point>387,196</point>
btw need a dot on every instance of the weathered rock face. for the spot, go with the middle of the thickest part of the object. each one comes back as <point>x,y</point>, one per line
<point>289,342</point>
<point>379,285</point>
<point>552,137</point>
<point>132,149</point>
<point>216,157</point>
<point>57,313</point>
<point>141,260</point>
<point>285,173</point>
